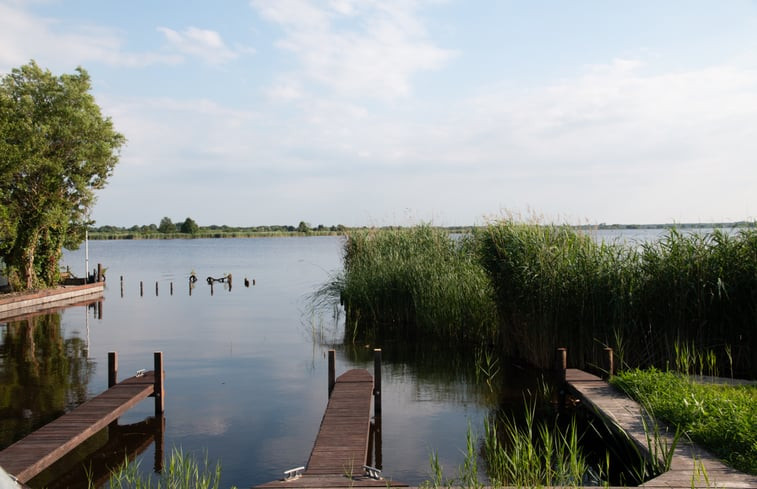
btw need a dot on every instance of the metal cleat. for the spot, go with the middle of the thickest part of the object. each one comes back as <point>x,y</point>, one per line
<point>372,472</point>
<point>292,474</point>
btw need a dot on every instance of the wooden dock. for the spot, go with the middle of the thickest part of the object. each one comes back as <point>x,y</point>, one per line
<point>14,306</point>
<point>40,449</point>
<point>343,446</point>
<point>625,413</point>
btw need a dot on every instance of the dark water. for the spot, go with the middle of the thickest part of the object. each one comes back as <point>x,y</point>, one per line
<point>246,368</point>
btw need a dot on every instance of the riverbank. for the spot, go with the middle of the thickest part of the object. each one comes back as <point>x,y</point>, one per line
<point>17,304</point>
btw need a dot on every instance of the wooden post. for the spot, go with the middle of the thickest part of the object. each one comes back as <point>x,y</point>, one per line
<point>158,389</point>
<point>141,289</point>
<point>561,365</point>
<point>377,382</point>
<point>99,272</point>
<point>610,363</point>
<point>171,288</point>
<point>112,368</point>
<point>122,285</point>
<point>332,371</point>
<point>156,289</point>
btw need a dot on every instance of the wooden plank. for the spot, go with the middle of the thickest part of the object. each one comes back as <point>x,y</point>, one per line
<point>626,414</point>
<point>37,451</point>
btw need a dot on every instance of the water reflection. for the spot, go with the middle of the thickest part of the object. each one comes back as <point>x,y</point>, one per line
<point>42,373</point>
<point>94,460</point>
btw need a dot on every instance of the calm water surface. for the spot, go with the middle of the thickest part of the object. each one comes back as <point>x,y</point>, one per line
<point>246,368</point>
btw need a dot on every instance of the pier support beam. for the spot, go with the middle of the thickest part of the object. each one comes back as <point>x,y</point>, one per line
<point>159,374</point>
<point>112,368</point>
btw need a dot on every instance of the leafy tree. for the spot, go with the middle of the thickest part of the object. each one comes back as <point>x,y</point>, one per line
<point>303,227</point>
<point>56,149</point>
<point>166,226</point>
<point>189,226</point>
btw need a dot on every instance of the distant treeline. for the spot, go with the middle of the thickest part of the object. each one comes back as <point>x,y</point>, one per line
<point>188,228</point>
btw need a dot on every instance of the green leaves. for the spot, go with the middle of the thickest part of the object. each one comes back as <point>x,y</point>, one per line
<point>56,149</point>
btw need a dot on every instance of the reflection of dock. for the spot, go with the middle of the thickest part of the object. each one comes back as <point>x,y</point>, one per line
<point>347,440</point>
<point>91,464</point>
<point>40,449</point>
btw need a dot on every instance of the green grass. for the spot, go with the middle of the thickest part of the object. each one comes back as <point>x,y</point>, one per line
<point>183,471</point>
<point>529,288</point>
<point>721,418</point>
<point>414,282</point>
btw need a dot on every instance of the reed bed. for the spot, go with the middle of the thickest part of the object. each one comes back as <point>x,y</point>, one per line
<point>414,282</point>
<point>529,288</point>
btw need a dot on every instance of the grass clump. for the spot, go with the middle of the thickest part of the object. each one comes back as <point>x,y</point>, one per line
<point>183,471</point>
<point>722,418</point>
<point>414,281</point>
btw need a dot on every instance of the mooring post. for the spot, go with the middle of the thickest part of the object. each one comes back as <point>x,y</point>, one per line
<point>377,382</point>
<point>99,272</point>
<point>171,288</point>
<point>156,289</point>
<point>112,368</point>
<point>332,371</point>
<point>122,285</point>
<point>610,363</point>
<point>141,289</point>
<point>158,389</point>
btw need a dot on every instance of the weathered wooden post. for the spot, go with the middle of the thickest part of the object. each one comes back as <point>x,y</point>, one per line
<point>156,288</point>
<point>171,288</point>
<point>112,368</point>
<point>158,390</point>
<point>377,451</point>
<point>610,363</point>
<point>377,382</point>
<point>332,371</point>
<point>141,289</point>
<point>122,285</point>
<point>99,272</point>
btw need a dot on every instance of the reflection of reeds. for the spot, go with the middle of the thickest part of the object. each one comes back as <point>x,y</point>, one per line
<point>183,470</point>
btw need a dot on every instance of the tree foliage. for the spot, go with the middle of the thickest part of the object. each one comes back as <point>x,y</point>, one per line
<point>189,226</point>
<point>56,149</point>
<point>166,226</point>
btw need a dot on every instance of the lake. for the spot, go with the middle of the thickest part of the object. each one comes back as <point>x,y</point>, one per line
<point>246,368</point>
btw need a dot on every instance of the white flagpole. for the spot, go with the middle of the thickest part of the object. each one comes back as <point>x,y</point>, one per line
<point>86,255</point>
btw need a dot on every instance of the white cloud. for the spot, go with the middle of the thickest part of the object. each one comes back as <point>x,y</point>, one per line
<point>60,45</point>
<point>356,48</point>
<point>201,43</point>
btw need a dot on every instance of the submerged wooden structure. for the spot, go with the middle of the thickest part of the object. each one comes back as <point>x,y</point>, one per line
<point>347,440</point>
<point>34,453</point>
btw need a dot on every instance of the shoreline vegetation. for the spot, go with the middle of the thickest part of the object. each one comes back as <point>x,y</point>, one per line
<point>526,289</point>
<point>153,231</point>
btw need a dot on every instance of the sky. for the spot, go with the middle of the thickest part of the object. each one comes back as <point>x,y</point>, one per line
<point>398,112</point>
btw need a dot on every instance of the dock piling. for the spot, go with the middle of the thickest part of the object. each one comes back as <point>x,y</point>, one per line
<point>610,363</point>
<point>332,371</point>
<point>159,374</point>
<point>112,368</point>
<point>141,289</point>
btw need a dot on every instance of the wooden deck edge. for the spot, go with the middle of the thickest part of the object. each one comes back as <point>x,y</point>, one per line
<point>25,303</point>
<point>146,381</point>
<point>688,455</point>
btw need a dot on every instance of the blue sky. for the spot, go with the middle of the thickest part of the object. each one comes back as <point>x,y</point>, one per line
<point>363,112</point>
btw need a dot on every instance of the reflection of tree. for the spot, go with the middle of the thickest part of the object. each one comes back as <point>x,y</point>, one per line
<point>42,375</point>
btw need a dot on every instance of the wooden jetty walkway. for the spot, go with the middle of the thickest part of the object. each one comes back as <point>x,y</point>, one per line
<point>40,449</point>
<point>345,443</point>
<point>14,307</point>
<point>691,467</point>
